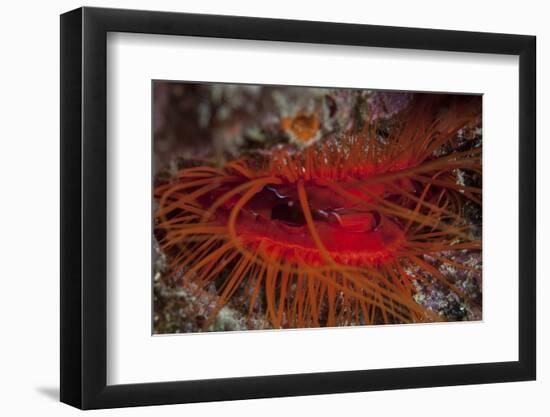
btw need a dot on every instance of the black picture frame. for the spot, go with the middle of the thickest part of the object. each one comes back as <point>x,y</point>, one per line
<point>84,207</point>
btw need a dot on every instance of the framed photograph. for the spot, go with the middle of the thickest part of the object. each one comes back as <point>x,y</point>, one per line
<point>257,208</point>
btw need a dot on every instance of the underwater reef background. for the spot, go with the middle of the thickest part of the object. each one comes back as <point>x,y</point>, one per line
<point>194,123</point>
